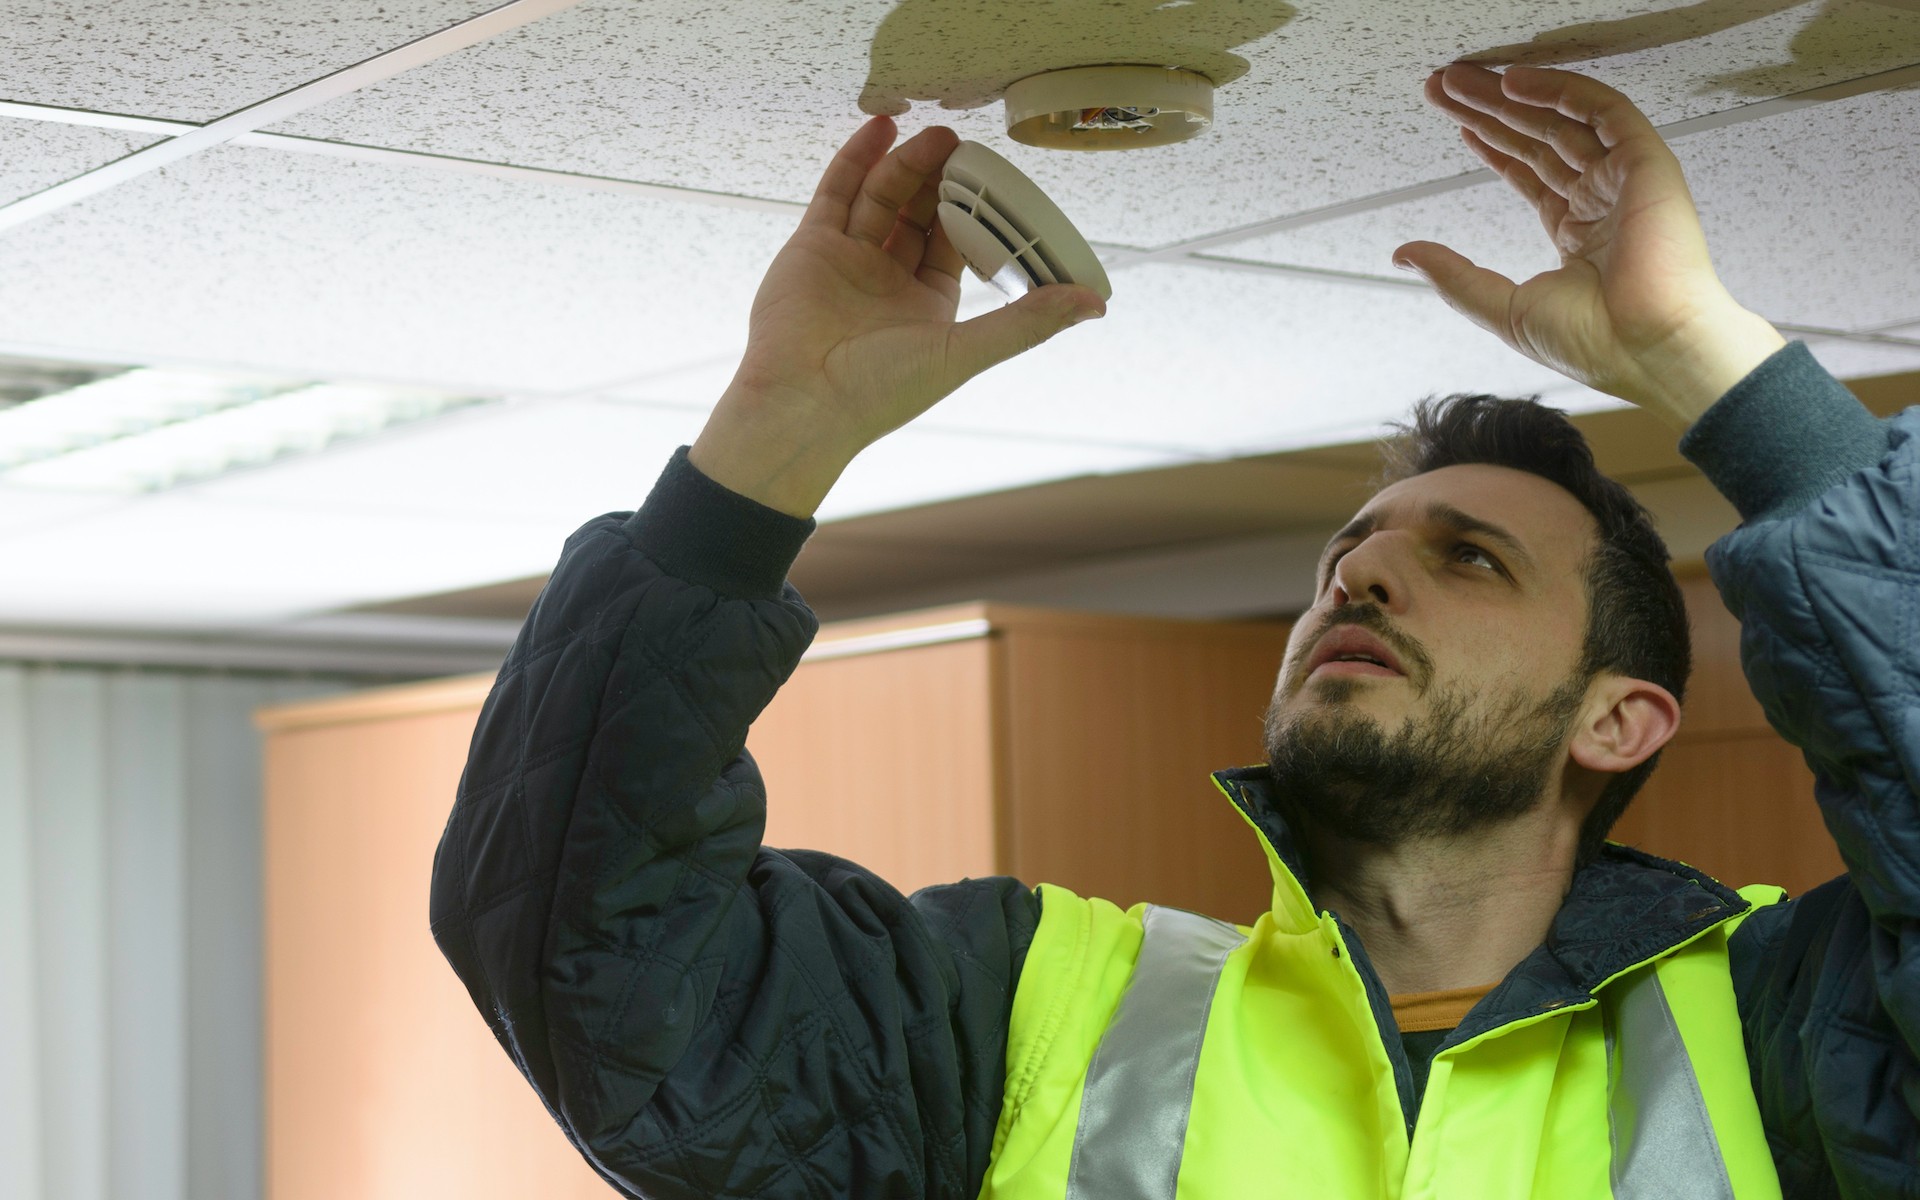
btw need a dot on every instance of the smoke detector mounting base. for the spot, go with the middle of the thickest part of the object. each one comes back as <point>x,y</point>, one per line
<point>1108,108</point>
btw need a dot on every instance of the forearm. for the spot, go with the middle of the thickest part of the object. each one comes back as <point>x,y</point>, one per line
<point>655,971</point>
<point>622,707</point>
<point>1818,575</point>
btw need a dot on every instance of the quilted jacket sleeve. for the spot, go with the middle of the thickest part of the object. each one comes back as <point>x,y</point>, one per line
<point>1824,575</point>
<point>703,1016</point>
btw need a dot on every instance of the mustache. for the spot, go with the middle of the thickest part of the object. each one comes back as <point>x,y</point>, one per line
<point>1369,617</point>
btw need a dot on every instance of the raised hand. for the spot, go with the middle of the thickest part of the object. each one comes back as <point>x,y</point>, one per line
<point>853,333</point>
<point>1634,309</point>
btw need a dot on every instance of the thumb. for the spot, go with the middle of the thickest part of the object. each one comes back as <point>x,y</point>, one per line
<point>994,337</point>
<point>1482,296</point>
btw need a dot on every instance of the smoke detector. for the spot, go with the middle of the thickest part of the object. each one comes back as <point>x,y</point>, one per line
<point>1011,235</point>
<point>1108,108</point>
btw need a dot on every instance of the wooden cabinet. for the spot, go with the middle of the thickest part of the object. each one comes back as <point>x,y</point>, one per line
<point>382,1081</point>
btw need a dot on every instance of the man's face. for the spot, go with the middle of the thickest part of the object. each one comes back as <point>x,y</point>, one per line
<point>1430,688</point>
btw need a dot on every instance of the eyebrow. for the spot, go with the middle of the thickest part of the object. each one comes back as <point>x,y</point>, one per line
<point>1439,512</point>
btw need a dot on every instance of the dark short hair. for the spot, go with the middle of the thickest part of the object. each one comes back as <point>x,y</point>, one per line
<point>1636,618</point>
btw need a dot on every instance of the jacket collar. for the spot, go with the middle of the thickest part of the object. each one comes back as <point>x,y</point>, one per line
<point>1624,909</point>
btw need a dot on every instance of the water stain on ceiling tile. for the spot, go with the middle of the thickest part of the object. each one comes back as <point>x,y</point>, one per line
<point>964,53</point>
<point>1791,205</point>
<point>1585,41</point>
<point>1837,35</point>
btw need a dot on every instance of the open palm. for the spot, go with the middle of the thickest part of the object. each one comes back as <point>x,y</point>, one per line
<point>1635,285</point>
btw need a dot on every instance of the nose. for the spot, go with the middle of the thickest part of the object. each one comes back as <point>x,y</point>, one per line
<point>1373,570</point>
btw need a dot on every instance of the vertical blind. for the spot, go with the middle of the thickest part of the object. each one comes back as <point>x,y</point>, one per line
<point>130,932</point>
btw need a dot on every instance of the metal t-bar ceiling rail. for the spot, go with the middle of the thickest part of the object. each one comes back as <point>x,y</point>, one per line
<point>386,65</point>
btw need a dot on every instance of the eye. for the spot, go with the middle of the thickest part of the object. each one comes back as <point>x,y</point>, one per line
<point>1333,560</point>
<point>1467,552</point>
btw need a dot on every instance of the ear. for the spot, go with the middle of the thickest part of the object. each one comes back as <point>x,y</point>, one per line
<point>1624,722</point>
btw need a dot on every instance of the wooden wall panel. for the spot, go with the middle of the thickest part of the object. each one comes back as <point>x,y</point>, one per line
<point>1739,808</point>
<point>887,760</point>
<point>1113,733</point>
<point>1718,698</point>
<point>383,1083</point>
<point>1730,796</point>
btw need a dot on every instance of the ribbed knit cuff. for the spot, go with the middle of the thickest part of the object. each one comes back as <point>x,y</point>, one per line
<point>707,534</point>
<point>1783,435</point>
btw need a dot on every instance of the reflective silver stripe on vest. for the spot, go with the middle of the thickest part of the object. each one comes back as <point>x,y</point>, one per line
<point>1663,1140</point>
<point>1133,1115</point>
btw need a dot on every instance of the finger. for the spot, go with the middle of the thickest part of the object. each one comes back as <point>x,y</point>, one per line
<point>1482,296</point>
<point>908,241</point>
<point>1550,206</point>
<point>1571,140</point>
<point>1612,117</point>
<point>840,183</point>
<point>940,267</point>
<point>1546,165</point>
<point>994,337</point>
<point>893,184</point>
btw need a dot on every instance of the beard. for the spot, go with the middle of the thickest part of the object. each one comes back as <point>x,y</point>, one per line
<point>1461,767</point>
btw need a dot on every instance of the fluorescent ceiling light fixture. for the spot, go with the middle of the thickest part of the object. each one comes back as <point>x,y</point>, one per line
<point>152,429</point>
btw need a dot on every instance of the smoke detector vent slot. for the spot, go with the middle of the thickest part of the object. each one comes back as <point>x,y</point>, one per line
<point>1011,235</point>
<point>1109,108</point>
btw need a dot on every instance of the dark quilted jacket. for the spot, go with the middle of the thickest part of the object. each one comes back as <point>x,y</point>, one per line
<point>707,1017</point>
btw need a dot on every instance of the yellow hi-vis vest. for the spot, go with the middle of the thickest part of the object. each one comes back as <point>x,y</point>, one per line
<point>1158,1055</point>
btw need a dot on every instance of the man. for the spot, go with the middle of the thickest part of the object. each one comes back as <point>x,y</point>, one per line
<point>1461,991</point>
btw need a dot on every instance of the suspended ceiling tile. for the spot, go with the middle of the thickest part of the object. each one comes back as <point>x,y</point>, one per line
<point>180,560</point>
<point>349,268</point>
<point>35,155</point>
<point>434,510</point>
<point>747,99</point>
<point>575,459</point>
<point>27,509</point>
<point>1850,360</point>
<point>195,60</point>
<point>1196,361</point>
<point>752,99</point>
<point>552,458</point>
<point>1810,216</point>
<point>924,464</point>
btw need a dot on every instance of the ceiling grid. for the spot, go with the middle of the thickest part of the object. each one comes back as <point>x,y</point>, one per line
<point>542,197</point>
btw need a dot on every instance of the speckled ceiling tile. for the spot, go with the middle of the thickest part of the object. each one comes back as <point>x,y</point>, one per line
<point>1810,216</point>
<point>1857,360</point>
<point>1203,362</point>
<point>551,458</point>
<point>35,155</point>
<point>752,98</point>
<point>569,459</point>
<point>195,60</point>
<point>308,264</point>
<point>1230,363</point>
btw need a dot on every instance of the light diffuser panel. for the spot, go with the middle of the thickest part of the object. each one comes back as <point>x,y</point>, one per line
<point>246,432</point>
<point>115,408</point>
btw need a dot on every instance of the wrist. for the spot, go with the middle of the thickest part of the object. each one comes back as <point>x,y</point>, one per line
<point>1702,361</point>
<point>772,449</point>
